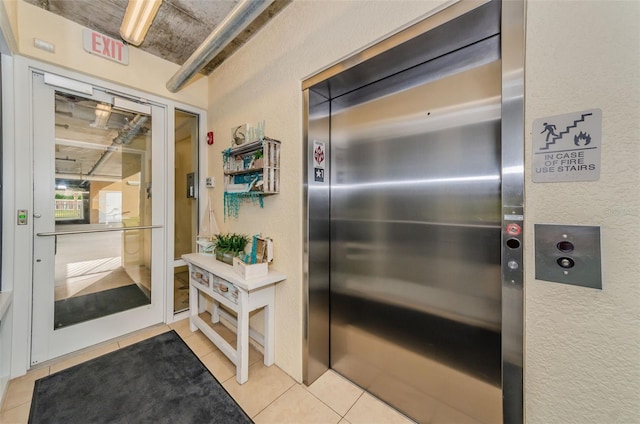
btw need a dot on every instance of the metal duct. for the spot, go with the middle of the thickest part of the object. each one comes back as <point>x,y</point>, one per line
<point>125,135</point>
<point>102,159</point>
<point>240,17</point>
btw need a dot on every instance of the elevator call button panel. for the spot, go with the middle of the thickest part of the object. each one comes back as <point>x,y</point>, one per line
<point>569,254</point>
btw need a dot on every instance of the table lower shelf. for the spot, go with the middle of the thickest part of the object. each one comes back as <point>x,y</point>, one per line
<point>238,354</point>
<point>224,346</point>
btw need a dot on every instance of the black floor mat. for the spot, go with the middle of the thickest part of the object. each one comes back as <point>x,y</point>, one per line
<point>83,308</point>
<point>158,380</point>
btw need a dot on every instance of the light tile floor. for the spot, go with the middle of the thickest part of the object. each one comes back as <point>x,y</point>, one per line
<point>270,395</point>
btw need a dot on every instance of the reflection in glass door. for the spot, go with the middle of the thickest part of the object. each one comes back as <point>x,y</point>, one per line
<point>93,221</point>
<point>93,276</point>
<point>186,204</point>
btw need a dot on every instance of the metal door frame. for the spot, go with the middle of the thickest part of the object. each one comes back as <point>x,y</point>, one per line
<point>316,215</point>
<point>47,342</point>
<point>19,176</point>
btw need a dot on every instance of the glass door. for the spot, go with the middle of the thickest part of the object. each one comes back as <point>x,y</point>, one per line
<point>98,215</point>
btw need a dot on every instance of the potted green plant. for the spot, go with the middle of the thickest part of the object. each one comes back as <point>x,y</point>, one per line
<point>222,245</point>
<point>230,245</point>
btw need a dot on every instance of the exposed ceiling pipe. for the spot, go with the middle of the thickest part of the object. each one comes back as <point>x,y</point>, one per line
<point>85,178</point>
<point>125,136</point>
<point>245,12</point>
<point>101,160</point>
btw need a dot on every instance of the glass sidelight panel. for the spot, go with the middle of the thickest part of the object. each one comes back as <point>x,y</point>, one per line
<point>180,288</point>
<point>186,203</point>
<point>102,205</point>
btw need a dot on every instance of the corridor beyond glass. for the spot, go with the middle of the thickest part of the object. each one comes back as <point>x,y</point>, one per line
<point>102,186</point>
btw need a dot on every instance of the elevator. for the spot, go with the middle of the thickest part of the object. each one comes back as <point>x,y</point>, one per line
<point>413,213</point>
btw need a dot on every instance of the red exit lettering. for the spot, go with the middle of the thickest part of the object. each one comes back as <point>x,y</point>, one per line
<point>105,46</point>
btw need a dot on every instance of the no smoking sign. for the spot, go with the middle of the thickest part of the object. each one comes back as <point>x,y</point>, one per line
<point>318,161</point>
<point>318,154</point>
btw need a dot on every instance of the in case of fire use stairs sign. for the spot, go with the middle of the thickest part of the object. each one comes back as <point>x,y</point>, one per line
<point>567,147</point>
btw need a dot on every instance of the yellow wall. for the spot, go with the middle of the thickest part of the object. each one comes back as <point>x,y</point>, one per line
<point>9,22</point>
<point>130,199</point>
<point>94,198</point>
<point>145,72</point>
<point>581,345</point>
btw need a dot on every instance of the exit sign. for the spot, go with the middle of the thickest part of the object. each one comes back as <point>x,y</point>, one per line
<point>104,46</point>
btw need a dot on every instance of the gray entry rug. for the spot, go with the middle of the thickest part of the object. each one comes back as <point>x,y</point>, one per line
<point>158,380</point>
<point>95,305</point>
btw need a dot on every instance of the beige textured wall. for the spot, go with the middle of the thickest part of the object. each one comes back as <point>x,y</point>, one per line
<point>263,81</point>
<point>582,345</point>
<point>144,72</point>
<point>9,21</point>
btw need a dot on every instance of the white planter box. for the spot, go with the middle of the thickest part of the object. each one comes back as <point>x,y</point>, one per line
<point>250,271</point>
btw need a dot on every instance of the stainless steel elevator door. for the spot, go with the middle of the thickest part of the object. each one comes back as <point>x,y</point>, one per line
<point>415,246</point>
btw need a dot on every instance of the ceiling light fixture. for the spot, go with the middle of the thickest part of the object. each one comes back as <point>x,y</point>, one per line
<point>103,113</point>
<point>137,20</point>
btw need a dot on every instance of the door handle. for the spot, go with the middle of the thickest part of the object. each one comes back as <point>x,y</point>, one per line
<point>37,215</point>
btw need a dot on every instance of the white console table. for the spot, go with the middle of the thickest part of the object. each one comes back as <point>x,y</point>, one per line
<point>224,286</point>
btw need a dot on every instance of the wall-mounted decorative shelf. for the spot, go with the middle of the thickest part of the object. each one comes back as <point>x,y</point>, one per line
<point>253,167</point>
<point>250,171</point>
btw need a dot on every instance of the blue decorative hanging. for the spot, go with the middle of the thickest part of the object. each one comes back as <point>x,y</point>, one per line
<point>225,156</point>
<point>232,202</point>
<point>254,250</point>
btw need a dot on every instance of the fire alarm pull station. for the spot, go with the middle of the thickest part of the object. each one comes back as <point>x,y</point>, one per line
<point>569,254</point>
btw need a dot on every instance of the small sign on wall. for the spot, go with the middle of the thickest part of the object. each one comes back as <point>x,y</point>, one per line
<point>567,147</point>
<point>104,46</point>
<point>319,160</point>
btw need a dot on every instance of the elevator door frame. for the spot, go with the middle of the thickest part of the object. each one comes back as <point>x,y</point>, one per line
<point>316,96</point>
